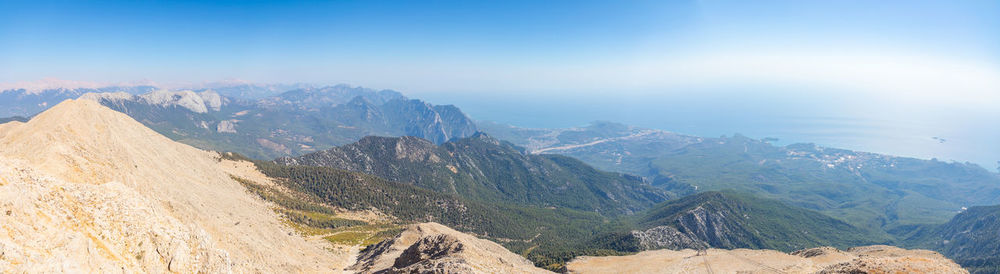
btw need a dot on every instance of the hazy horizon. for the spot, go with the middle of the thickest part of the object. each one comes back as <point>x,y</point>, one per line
<point>353,136</point>
<point>847,73</point>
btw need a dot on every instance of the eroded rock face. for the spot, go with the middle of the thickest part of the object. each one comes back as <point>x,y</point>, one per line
<point>698,228</point>
<point>666,237</point>
<point>434,248</point>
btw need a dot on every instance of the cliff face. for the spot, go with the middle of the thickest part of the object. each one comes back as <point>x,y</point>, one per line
<point>438,124</point>
<point>434,248</point>
<point>86,189</point>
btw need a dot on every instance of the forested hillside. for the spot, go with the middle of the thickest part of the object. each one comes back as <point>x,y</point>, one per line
<point>482,168</point>
<point>971,238</point>
<point>873,191</point>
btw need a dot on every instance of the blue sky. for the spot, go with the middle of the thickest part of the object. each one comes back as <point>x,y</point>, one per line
<point>490,46</point>
<point>914,69</point>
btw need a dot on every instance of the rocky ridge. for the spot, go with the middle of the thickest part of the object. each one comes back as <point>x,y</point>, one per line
<point>86,189</point>
<point>434,248</point>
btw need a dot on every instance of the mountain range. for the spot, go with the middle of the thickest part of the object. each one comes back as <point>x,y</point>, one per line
<point>26,102</point>
<point>291,123</point>
<point>630,214</point>
<point>332,181</point>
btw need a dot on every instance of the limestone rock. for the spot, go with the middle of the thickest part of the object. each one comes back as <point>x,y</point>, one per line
<point>434,248</point>
<point>84,188</point>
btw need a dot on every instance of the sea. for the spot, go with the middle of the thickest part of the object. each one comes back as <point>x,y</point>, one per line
<point>856,121</point>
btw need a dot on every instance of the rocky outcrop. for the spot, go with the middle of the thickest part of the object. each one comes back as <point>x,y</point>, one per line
<point>434,248</point>
<point>730,220</point>
<point>666,237</point>
<point>227,126</point>
<point>868,259</point>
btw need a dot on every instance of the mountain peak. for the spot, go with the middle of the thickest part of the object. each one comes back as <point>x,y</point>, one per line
<point>481,135</point>
<point>101,144</point>
<point>106,182</point>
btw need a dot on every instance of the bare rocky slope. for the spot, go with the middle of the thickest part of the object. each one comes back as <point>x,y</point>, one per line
<point>867,259</point>
<point>84,188</point>
<point>731,220</point>
<point>434,248</point>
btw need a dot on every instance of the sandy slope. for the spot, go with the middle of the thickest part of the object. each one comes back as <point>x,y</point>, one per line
<point>868,259</point>
<point>84,188</point>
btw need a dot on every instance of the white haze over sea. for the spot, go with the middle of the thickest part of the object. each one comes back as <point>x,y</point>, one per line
<point>897,126</point>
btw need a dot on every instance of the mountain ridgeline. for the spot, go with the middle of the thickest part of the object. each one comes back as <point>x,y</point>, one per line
<point>27,103</point>
<point>291,123</point>
<point>547,236</point>
<point>486,169</point>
